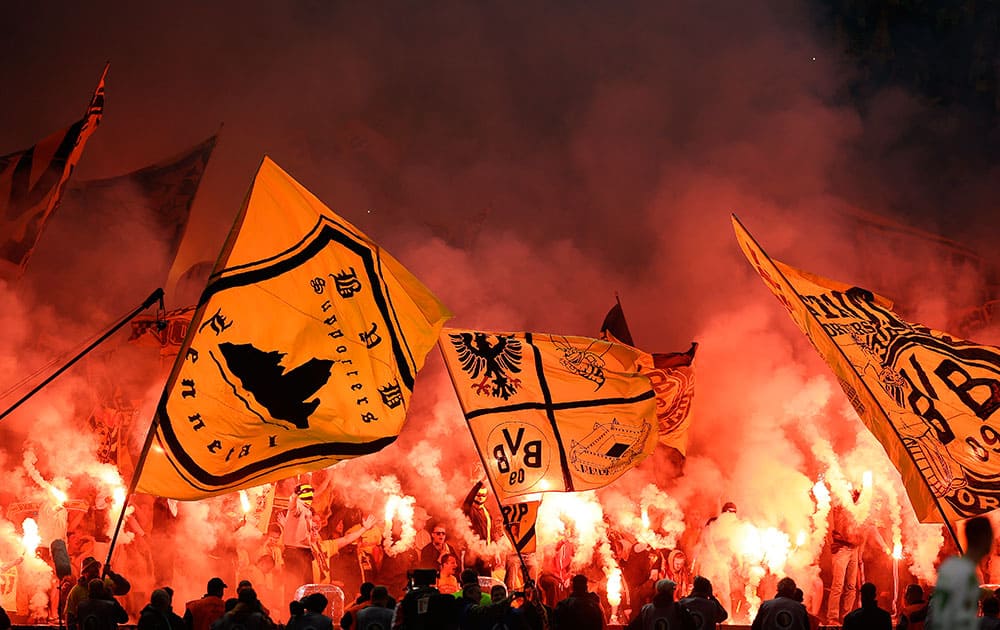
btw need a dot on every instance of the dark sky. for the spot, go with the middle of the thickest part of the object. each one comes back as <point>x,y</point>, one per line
<point>527,160</point>
<point>625,132</point>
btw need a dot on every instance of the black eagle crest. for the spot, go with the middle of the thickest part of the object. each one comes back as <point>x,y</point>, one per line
<point>494,361</point>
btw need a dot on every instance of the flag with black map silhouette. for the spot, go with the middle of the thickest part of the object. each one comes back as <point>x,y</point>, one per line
<point>302,352</point>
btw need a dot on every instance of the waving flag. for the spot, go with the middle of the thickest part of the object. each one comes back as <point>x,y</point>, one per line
<point>672,375</point>
<point>132,221</point>
<point>549,412</point>
<point>302,352</point>
<point>519,523</point>
<point>31,183</point>
<point>928,397</point>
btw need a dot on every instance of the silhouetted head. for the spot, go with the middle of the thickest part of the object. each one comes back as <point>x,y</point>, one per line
<point>868,593</point>
<point>160,600</point>
<point>215,587</point>
<point>317,602</point>
<point>96,588</point>
<point>914,594</point>
<point>666,588</point>
<point>991,607</point>
<point>786,587</point>
<point>702,586</point>
<point>978,538</point>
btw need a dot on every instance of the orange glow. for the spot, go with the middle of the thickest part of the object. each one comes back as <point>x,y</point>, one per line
<point>822,494</point>
<point>30,539</point>
<point>615,587</point>
<point>245,501</point>
<point>59,495</point>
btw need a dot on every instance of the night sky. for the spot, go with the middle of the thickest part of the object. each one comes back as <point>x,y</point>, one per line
<point>625,131</point>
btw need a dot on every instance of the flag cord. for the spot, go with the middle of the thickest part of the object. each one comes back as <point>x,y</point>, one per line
<point>155,296</point>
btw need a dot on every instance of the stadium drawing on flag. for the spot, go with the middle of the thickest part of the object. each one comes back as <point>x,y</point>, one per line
<point>609,449</point>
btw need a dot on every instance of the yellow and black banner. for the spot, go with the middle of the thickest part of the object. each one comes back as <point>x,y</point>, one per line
<point>302,352</point>
<point>519,523</point>
<point>551,413</point>
<point>930,398</point>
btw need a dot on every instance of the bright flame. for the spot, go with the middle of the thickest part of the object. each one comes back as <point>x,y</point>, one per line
<point>30,539</point>
<point>822,494</point>
<point>60,496</point>
<point>615,587</point>
<point>897,551</point>
<point>765,547</point>
<point>544,485</point>
<point>245,501</point>
<point>645,518</point>
<point>866,480</point>
<point>801,538</point>
<point>399,508</point>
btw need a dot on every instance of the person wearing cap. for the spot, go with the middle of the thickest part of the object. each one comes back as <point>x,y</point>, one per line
<point>663,612</point>
<point>90,569</point>
<point>782,612</point>
<point>199,614</point>
<point>582,609</point>
<point>703,606</point>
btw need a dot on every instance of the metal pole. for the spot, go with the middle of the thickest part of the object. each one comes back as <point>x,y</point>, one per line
<point>155,296</point>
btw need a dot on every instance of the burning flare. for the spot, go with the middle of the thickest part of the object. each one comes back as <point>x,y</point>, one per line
<point>30,539</point>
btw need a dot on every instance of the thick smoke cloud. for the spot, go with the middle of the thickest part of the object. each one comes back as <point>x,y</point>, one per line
<point>526,162</point>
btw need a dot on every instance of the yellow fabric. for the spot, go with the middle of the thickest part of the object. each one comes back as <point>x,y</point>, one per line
<point>519,523</point>
<point>550,412</point>
<point>302,354</point>
<point>928,397</point>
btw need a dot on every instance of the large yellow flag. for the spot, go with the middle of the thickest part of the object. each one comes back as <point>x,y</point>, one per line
<point>928,397</point>
<point>32,181</point>
<point>302,352</point>
<point>549,412</point>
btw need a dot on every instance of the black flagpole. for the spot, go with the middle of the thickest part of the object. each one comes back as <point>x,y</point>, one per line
<point>155,296</point>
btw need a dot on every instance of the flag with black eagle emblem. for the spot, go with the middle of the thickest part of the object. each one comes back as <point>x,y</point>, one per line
<point>930,398</point>
<point>302,352</point>
<point>551,413</point>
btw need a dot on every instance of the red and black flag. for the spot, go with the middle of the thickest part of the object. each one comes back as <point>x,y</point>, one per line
<point>134,222</point>
<point>32,180</point>
<point>672,376</point>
